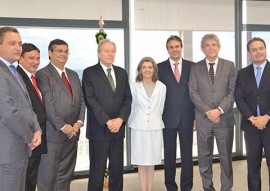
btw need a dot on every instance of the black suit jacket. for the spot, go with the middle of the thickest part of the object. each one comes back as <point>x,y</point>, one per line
<point>39,109</point>
<point>178,110</point>
<point>104,104</point>
<point>247,95</point>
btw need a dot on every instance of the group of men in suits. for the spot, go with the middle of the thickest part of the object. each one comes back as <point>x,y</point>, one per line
<point>210,88</point>
<point>42,113</point>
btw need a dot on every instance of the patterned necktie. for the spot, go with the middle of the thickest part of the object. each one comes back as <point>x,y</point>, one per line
<point>65,80</point>
<point>15,73</point>
<point>258,80</point>
<point>176,72</point>
<point>212,73</point>
<point>109,76</point>
<point>34,82</point>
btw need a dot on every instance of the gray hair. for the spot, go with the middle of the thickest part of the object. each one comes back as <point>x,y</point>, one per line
<point>209,37</point>
<point>4,30</point>
<point>104,41</point>
<point>139,77</point>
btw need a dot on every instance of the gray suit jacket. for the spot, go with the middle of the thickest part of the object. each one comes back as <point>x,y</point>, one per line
<point>61,108</point>
<point>206,96</point>
<point>17,118</point>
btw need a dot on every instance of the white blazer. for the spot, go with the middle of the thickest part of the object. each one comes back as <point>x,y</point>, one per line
<point>146,113</point>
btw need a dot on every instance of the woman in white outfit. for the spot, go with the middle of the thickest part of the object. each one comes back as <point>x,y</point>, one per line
<point>145,121</point>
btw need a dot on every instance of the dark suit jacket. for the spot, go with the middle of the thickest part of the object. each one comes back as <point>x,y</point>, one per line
<point>38,108</point>
<point>178,110</point>
<point>18,121</point>
<point>247,95</point>
<point>104,104</point>
<point>61,108</point>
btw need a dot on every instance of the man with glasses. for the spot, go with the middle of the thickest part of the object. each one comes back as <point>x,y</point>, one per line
<point>28,65</point>
<point>211,88</point>
<point>178,115</point>
<point>65,111</point>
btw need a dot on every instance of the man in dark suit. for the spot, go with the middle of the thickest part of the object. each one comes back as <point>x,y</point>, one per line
<point>211,88</point>
<point>178,115</point>
<point>108,101</point>
<point>252,93</point>
<point>19,129</point>
<point>28,65</point>
<point>65,111</point>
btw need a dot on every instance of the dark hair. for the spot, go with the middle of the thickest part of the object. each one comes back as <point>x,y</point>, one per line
<point>253,40</point>
<point>55,42</point>
<point>4,30</point>
<point>139,77</point>
<point>174,37</point>
<point>28,47</point>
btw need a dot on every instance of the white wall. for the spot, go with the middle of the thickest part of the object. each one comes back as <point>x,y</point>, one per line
<point>62,9</point>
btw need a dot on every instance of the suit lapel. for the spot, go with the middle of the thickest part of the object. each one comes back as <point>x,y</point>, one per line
<point>28,83</point>
<point>204,71</point>
<point>6,69</point>
<point>170,72</point>
<point>104,78</point>
<point>58,79</point>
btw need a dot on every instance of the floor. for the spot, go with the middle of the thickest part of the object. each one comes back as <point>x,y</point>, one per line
<point>131,181</point>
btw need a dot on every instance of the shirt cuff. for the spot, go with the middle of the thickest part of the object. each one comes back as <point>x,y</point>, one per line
<point>221,110</point>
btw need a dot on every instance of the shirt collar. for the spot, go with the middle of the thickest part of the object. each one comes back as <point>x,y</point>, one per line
<point>172,62</point>
<point>262,66</point>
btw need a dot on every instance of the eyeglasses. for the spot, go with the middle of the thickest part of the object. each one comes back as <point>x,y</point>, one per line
<point>62,51</point>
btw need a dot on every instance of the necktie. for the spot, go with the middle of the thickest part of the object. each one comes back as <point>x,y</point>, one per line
<point>212,73</point>
<point>109,76</point>
<point>176,72</point>
<point>65,80</point>
<point>34,82</point>
<point>13,69</point>
<point>258,79</point>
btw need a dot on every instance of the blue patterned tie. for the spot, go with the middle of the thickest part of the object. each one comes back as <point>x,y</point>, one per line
<point>258,80</point>
<point>13,70</point>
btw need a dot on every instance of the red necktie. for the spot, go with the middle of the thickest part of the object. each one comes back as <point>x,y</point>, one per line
<point>65,80</point>
<point>176,72</point>
<point>36,87</point>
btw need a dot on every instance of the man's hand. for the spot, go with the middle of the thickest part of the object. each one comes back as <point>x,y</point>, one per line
<point>213,115</point>
<point>115,124</point>
<point>259,121</point>
<point>76,127</point>
<point>36,141</point>
<point>68,130</point>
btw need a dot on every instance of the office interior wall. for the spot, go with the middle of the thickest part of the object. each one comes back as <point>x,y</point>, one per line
<point>62,9</point>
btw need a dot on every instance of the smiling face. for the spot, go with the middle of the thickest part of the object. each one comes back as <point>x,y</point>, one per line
<point>147,70</point>
<point>107,54</point>
<point>211,49</point>
<point>257,52</point>
<point>11,47</point>
<point>30,61</point>
<point>59,55</point>
<point>174,48</point>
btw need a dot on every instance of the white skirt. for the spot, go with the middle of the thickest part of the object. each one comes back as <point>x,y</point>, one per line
<point>146,147</point>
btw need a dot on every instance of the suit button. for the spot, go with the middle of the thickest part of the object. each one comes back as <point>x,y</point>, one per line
<point>258,97</point>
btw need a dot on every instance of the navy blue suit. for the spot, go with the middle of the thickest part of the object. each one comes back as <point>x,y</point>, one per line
<point>178,117</point>
<point>247,97</point>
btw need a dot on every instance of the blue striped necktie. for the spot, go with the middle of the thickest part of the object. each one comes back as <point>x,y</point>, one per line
<point>15,73</point>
